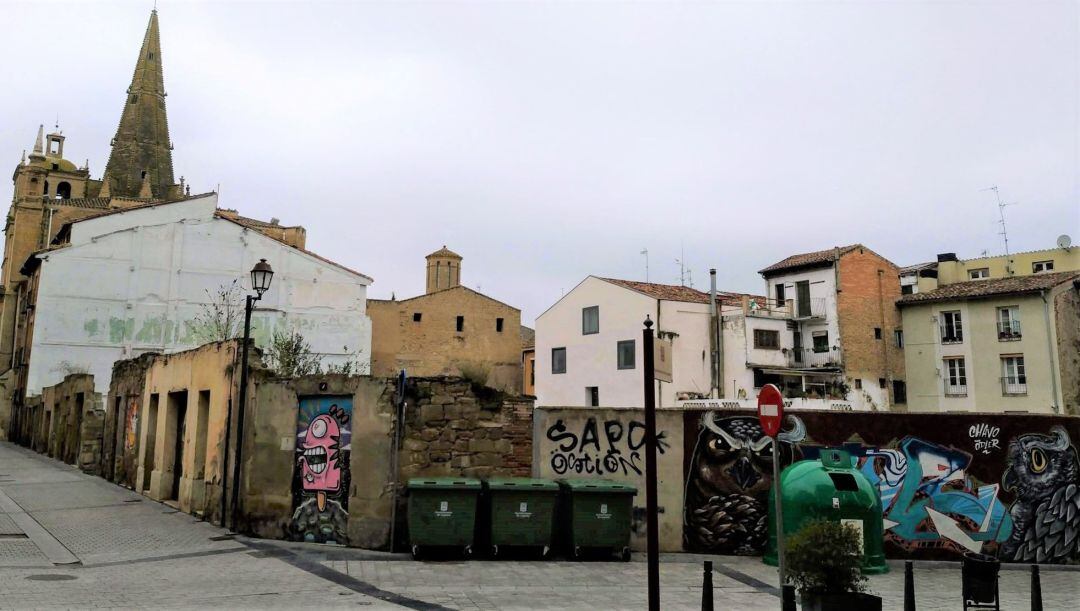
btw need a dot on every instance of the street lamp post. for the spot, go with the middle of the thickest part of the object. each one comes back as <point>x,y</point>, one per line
<point>261,275</point>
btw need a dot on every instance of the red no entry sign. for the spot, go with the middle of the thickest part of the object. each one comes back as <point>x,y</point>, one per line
<point>770,409</point>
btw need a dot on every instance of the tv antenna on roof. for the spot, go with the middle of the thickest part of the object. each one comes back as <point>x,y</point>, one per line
<point>1004,233</point>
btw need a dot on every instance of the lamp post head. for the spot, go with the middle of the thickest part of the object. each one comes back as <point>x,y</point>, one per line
<point>261,275</point>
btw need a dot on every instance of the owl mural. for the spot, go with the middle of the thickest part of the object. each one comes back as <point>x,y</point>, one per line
<point>728,483</point>
<point>1044,474</point>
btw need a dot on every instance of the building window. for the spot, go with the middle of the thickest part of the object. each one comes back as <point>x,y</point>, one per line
<point>881,383</point>
<point>590,320</point>
<point>63,190</point>
<point>460,324</point>
<point>1042,266</point>
<point>955,377</point>
<point>978,274</point>
<point>498,325</point>
<point>907,289</point>
<point>898,335</point>
<point>1013,376</point>
<point>532,373</point>
<point>417,316</point>
<point>952,330</point>
<point>780,298</point>
<point>134,98</point>
<point>592,396</point>
<point>766,339</point>
<point>626,354</point>
<point>877,332</point>
<point>821,341</point>
<point>899,391</point>
<point>558,360</point>
<point>1008,323</point>
<point>858,383</point>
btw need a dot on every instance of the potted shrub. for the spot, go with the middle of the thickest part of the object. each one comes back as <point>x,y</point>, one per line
<point>823,562</point>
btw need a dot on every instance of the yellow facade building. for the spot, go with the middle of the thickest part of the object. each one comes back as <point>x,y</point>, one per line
<point>1005,344</point>
<point>450,330</point>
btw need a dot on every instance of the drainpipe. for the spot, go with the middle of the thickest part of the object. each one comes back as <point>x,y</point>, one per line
<point>1050,348</point>
<point>714,338</point>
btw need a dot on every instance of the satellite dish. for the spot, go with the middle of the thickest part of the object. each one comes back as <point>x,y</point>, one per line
<point>1064,241</point>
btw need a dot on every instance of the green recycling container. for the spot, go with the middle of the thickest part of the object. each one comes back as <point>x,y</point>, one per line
<point>830,488</point>
<point>442,512</point>
<point>596,515</point>
<point>522,512</point>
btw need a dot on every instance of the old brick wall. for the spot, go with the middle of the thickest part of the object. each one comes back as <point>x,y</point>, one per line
<point>867,289</point>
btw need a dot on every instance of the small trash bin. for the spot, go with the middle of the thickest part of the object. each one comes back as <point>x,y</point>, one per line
<point>522,512</point>
<point>597,515</point>
<point>979,575</point>
<point>442,512</point>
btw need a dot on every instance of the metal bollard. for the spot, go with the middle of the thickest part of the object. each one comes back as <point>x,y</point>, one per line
<point>706,588</point>
<point>788,598</point>
<point>909,586</point>
<point>1036,589</point>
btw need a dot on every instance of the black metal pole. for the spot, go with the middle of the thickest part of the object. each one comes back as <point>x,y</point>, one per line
<point>909,586</point>
<point>650,468</point>
<point>1036,589</point>
<point>706,588</point>
<point>240,409</point>
<point>787,597</point>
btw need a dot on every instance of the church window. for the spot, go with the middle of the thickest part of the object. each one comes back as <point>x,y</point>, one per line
<point>143,175</point>
<point>498,325</point>
<point>460,323</point>
<point>63,190</point>
<point>46,187</point>
<point>151,55</point>
<point>417,316</point>
<point>55,166</point>
<point>134,98</point>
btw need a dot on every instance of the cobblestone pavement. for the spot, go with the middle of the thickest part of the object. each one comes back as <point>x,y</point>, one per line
<point>69,540</point>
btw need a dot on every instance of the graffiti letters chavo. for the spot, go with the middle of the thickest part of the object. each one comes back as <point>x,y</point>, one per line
<point>985,437</point>
<point>611,449</point>
<point>321,480</point>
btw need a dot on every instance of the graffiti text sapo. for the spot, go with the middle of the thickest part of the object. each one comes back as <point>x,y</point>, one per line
<point>615,451</point>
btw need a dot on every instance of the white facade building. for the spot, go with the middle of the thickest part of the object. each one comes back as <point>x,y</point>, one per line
<point>135,281</point>
<point>579,342</point>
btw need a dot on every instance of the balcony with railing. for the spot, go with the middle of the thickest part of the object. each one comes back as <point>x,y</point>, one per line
<point>766,308</point>
<point>813,307</point>
<point>1008,330</point>
<point>1013,386</point>
<point>810,358</point>
<point>955,389</point>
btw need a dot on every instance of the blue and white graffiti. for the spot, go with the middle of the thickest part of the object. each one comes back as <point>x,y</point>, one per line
<point>929,501</point>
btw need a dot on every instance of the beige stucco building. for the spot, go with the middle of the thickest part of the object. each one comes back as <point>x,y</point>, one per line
<point>1010,344</point>
<point>450,330</point>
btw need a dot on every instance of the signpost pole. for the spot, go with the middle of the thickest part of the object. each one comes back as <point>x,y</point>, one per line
<point>650,468</point>
<point>771,416</point>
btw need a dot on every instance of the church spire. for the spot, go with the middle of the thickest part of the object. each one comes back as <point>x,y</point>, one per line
<point>141,151</point>
<point>39,143</point>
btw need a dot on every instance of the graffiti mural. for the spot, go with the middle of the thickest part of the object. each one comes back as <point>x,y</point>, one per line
<point>928,499</point>
<point>1044,474</point>
<point>321,472</point>
<point>613,449</point>
<point>1003,485</point>
<point>131,424</point>
<point>727,484</point>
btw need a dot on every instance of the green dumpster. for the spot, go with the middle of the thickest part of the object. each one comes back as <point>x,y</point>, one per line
<point>830,488</point>
<point>597,515</point>
<point>522,512</point>
<point>442,512</point>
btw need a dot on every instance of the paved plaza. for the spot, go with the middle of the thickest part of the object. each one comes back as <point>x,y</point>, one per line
<point>70,540</point>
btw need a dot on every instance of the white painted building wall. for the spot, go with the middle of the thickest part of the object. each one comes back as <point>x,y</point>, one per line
<point>134,282</point>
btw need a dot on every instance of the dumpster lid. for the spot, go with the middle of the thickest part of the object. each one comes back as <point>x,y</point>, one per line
<point>597,485</point>
<point>443,483</point>
<point>520,483</point>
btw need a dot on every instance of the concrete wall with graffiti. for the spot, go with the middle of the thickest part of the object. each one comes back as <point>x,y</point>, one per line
<point>1005,485</point>
<point>577,442</point>
<point>321,475</point>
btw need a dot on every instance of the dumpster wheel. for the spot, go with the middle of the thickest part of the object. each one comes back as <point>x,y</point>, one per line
<point>416,552</point>
<point>625,555</point>
<point>494,550</point>
<point>577,552</point>
<point>468,551</point>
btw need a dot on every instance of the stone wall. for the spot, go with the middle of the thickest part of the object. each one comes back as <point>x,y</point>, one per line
<point>123,405</point>
<point>66,422</point>
<point>1067,321</point>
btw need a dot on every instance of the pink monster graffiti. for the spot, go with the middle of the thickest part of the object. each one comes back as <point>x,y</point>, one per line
<point>321,472</point>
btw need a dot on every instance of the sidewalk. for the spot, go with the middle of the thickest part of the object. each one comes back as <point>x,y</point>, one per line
<point>70,540</point>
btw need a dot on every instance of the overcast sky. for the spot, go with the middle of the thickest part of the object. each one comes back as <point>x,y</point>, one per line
<point>548,141</point>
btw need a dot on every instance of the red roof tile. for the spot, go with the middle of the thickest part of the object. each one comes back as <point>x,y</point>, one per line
<point>809,258</point>
<point>974,289</point>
